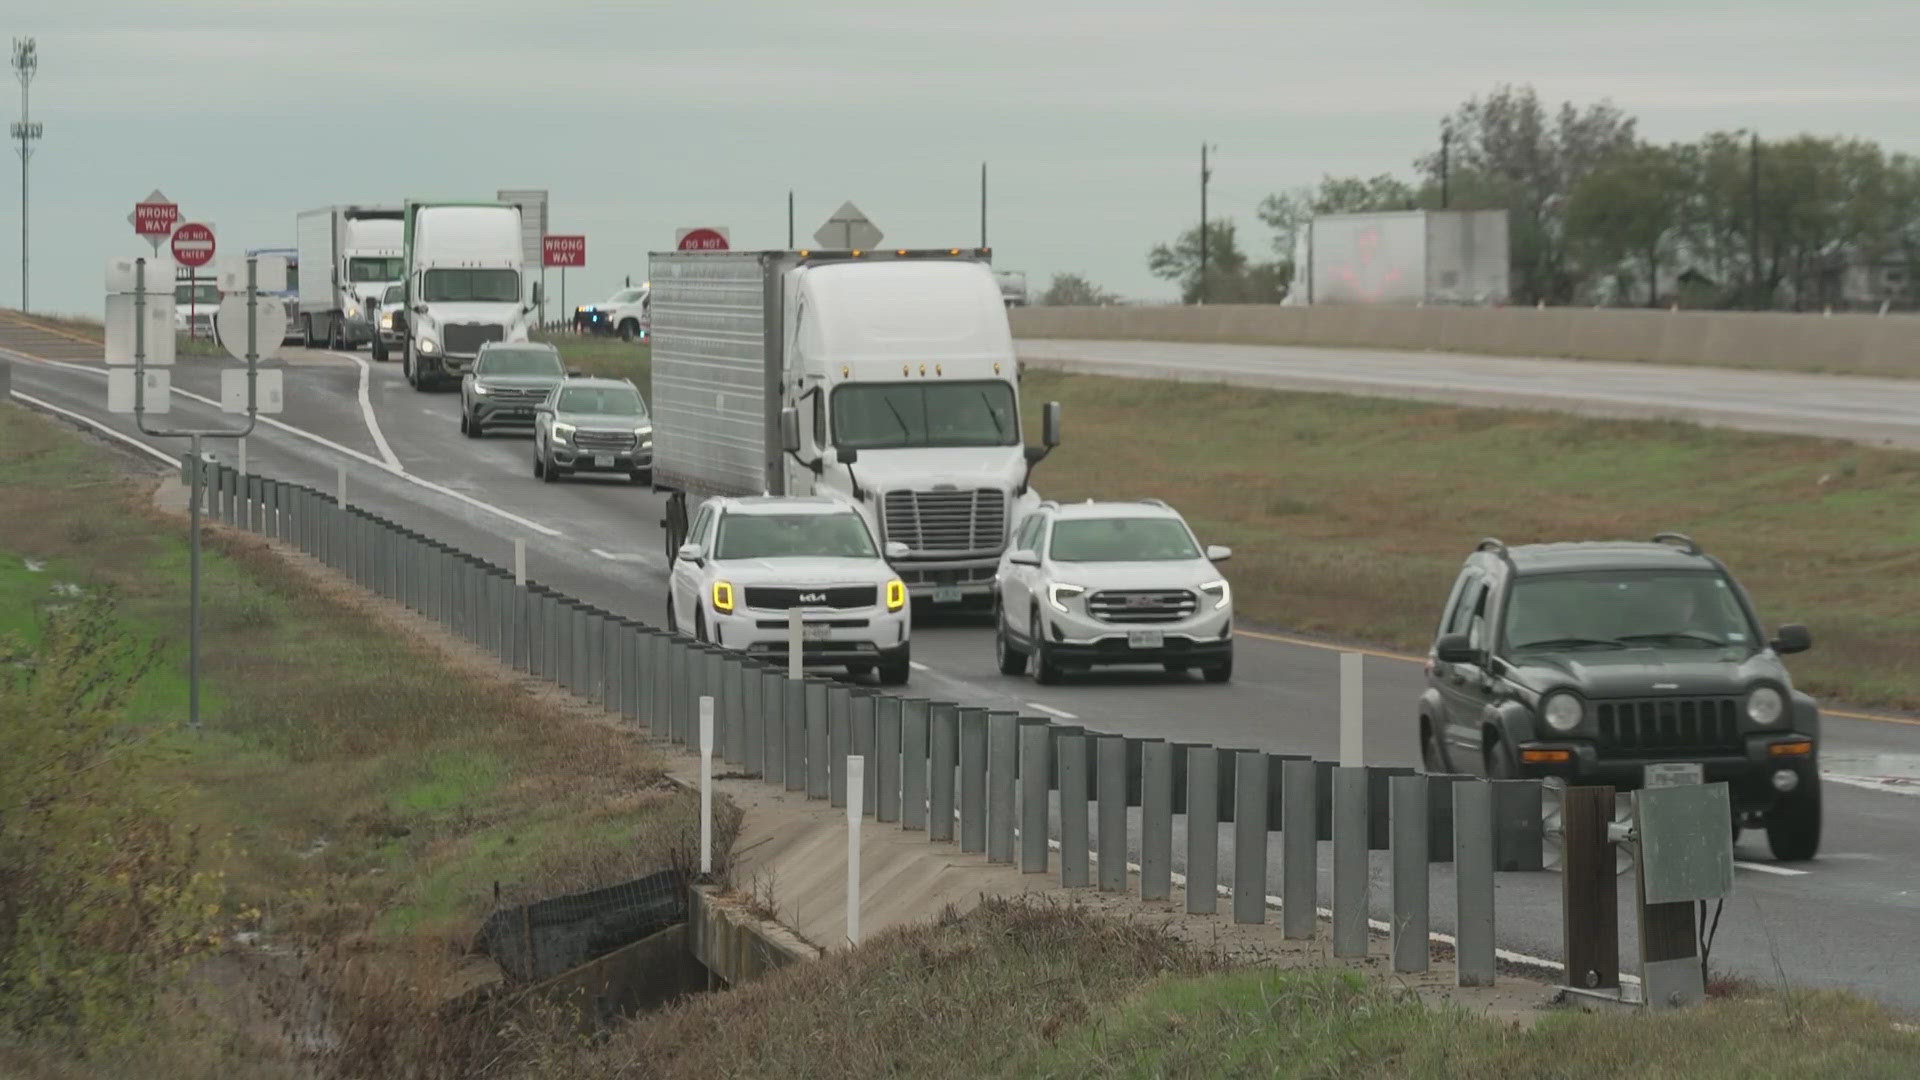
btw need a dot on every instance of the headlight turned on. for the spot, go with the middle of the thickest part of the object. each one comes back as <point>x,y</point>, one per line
<point>723,597</point>
<point>896,594</point>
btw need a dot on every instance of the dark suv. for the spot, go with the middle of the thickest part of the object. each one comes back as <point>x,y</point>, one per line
<point>1591,661</point>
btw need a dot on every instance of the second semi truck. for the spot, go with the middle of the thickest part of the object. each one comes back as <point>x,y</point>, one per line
<point>463,286</point>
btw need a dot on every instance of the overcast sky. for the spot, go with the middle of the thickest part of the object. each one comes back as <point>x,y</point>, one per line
<point>640,117</point>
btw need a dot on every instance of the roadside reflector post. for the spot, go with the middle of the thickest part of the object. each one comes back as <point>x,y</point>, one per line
<point>856,770</point>
<point>520,563</point>
<point>1352,716</point>
<point>1407,811</point>
<point>706,786</point>
<point>1203,830</point>
<point>1300,848</point>
<point>1250,837</point>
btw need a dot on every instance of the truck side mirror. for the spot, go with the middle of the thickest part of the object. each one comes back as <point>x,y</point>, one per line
<point>848,455</point>
<point>1455,649</point>
<point>897,551</point>
<point>790,430</point>
<point>1216,553</point>
<point>1050,425</point>
<point>692,553</point>
<point>1793,638</point>
<point>537,295</point>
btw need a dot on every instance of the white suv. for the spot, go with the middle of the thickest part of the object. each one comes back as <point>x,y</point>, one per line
<point>1111,583</point>
<point>748,561</point>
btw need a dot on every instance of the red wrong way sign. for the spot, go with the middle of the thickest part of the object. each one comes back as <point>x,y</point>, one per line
<point>701,239</point>
<point>563,251</point>
<point>155,218</point>
<point>193,245</point>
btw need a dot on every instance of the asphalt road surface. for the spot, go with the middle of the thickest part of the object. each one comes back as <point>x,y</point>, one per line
<point>1883,412</point>
<point>1849,919</point>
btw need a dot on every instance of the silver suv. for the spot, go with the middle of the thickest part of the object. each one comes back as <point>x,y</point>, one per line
<point>1111,583</point>
<point>593,425</point>
<point>506,383</point>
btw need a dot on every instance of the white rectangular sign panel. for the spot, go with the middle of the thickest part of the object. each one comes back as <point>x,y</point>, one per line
<point>269,395</point>
<point>120,391</point>
<point>160,341</point>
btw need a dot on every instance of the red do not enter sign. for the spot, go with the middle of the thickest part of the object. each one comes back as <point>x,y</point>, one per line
<point>193,245</point>
<point>703,240</point>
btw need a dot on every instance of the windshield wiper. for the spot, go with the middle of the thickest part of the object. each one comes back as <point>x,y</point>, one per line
<point>998,428</point>
<point>1572,643</point>
<point>1677,636</point>
<point>898,419</point>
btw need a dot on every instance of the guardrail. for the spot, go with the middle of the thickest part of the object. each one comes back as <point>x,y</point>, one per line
<point>1006,784</point>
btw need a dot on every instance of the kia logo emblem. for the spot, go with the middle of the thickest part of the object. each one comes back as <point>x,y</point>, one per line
<point>813,598</point>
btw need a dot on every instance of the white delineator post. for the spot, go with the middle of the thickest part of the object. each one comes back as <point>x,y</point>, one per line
<point>1352,750</point>
<point>520,563</point>
<point>856,787</point>
<point>340,477</point>
<point>243,457</point>
<point>796,666</point>
<point>706,785</point>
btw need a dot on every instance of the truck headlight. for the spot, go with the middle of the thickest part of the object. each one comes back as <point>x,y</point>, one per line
<point>386,321</point>
<point>353,310</point>
<point>1765,706</point>
<point>427,345</point>
<point>896,594</point>
<point>723,597</point>
<point>563,432</point>
<point>1562,711</point>
<point>1220,591</point>
<point>1058,594</point>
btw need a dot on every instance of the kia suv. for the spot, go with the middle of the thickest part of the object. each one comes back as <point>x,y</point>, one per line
<point>1095,584</point>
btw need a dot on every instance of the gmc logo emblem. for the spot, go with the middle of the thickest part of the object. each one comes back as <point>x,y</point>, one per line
<point>813,598</point>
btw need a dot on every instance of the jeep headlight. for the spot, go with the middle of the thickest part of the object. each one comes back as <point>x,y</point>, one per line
<point>1220,591</point>
<point>723,597</point>
<point>1058,594</point>
<point>1765,706</point>
<point>1562,711</point>
<point>563,432</point>
<point>426,344</point>
<point>896,594</point>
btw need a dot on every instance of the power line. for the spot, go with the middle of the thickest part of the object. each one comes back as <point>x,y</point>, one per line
<point>26,63</point>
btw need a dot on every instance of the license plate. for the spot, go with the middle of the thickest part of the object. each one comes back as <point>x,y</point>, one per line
<point>1673,774</point>
<point>1145,639</point>
<point>946,594</point>
<point>603,461</point>
<point>814,632</point>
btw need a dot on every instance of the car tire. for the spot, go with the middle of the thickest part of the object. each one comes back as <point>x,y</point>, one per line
<point>1431,757</point>
<point>1009,657</point>
<point>539,466</point>
<point>1793,824</point>
<point>700,626</point>
<point>673,621</point>
<point>629,330</point>
<point>1221,672</point>
<point>896,670</point>
<point>1045,671</point>
<point>377,350</point>
<point>548,470</point>
<point>1500,762</point>
<point>1175,667</point>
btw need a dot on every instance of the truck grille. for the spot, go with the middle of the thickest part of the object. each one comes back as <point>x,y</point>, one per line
<point>768,598</point>
<point>947,523</point>
<point>1668,726</point>
<point>1142,605</point>
<point>465,339</point>
<point>603,440</point>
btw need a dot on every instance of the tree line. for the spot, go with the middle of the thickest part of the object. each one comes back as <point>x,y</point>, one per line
<point>1598,215</point>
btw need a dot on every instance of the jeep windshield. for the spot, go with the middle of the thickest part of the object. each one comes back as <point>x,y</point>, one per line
<point>482,286</point>
<point>794,536</point>
<point>1122,540</point>
<point>1626,609</point>
<point>894,415</point>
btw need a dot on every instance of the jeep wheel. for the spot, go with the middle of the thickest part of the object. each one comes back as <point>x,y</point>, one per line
<point>1793,825</point>
<point>1008,655</point>
<point>1500,762</point>
<point>1045,671</point>
<point>1431,758</point>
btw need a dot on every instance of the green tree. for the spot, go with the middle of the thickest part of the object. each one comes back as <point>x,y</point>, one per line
<point>1231,278</point>
<point>1288,212</point>
<point>1631,209</point>
<point>1072,290</point>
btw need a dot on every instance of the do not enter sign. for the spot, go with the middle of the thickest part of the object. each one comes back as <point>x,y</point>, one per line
<point>193,245</point>
<point>702,239</point>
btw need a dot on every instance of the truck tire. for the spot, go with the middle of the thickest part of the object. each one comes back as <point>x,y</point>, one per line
<point>337,334</point>
<point>629,330</point>
<point>378,349</point>
<point>1793,825</point>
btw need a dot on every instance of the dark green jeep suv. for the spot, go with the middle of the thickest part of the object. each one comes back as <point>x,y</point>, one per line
<point>1591,661</point>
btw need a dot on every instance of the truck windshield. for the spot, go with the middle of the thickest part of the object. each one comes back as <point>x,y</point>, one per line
<point>1619,609</point>
<point>360,270</point>
<point>205,293</point>
<point>881,416</point>
<point>794,536</point>
<point>1122,540</point>
<point>519,362</point>
<point>602,401</point>
<point>396,294</point>
<point>486,286</point>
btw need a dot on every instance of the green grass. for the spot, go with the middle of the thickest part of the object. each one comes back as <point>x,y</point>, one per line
<point>606,356</point>
<point>1349,516</point>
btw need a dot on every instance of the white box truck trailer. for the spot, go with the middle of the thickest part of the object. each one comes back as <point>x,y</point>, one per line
<point>885,378</point>
<point>348,257</point>
<point>464,286</point>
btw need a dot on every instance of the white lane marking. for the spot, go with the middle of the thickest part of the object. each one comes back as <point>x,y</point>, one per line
<point>356,455</point>
<point>918,666</point>
<point>1051,711</point>
<point>630,557</point>
<point>1769,868</point>
<point>366,411</point>
<point>98,426</point>
<point>1892,785</point>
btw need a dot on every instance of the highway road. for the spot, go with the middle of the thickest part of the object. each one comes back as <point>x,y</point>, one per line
<point>1850,919</point>
<point>1883,412</point>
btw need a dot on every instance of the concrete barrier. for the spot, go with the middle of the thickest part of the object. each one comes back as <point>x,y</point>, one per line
<point>1782,341</point>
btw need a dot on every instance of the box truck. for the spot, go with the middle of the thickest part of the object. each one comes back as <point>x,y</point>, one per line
<point>884,378</point>
<point>464,286</point>
<point>348,257</point>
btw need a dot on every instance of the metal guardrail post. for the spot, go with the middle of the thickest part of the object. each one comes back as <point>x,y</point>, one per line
<point>1350,836</point>
<point>1036,792</point>
<point>819,778</point>
<point>1473,882</point>
<point>886,806</point>
<point>773,726</point>
<point>733,680</point>
<point>1203,830</point>
<point>1250,837</point>
<point>1073,751</point>
<point>839,742</point>
<point>1379,803</point>
<point>1407,809</point>
<point>684,667</point>
<point>973,780</point>
<point>794,694</point>
<point>1003,757</point>
<point>914,759</point>
<point>1110,791</point>
<point>866,706</point>
<point>1300,849</point>
<point>1519,831</point>
<point>1156,821</point>
<point>943,727</point>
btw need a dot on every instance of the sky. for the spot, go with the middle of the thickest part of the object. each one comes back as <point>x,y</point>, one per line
<point>642,117</point>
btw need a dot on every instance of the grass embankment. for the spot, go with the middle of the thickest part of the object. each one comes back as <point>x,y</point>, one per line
<point>1019,990</point>
<point>605,356</point>
<point>1349,516</point>
<point>353,799</point>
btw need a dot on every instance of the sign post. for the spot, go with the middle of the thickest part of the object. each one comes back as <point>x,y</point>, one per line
<point>561,251</point>
<point>193,248</point>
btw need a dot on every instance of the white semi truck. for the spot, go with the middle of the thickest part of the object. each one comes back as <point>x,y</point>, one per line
<point>885,378</point>
<point>348,257</point>
<point>464,286</point>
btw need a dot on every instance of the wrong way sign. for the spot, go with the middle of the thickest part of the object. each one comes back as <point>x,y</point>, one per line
<point>155,215</point>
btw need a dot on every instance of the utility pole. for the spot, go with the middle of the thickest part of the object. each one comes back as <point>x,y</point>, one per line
<point>1446,145</point>
<point>26,62</point>
<point>983,204</point>
<point>789,219</point>
<point>1753,204</point>
<point>1206,174</point>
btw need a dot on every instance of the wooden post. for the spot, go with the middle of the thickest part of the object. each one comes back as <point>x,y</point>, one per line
<point>1589,903</point>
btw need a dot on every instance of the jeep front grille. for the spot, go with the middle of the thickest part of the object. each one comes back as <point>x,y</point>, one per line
<point>947,524</point>
<point>465,339</point>
<point>1668,726</point>
<point>1142,605</point>
<point>768,598</point>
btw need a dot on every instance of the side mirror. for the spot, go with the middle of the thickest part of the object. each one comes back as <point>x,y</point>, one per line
<point>692,553</point>
<point>419,309</point>
<point>1455,649</point>
<point>573,373</point>
<point>1050,425</point>
<point>897,551</point>
<point>790,430</point>
<point>1793,638</point>
<point>1024,558</point>
<point>538,295</point>
<point>849,455</point>
<point>1216,553</point>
